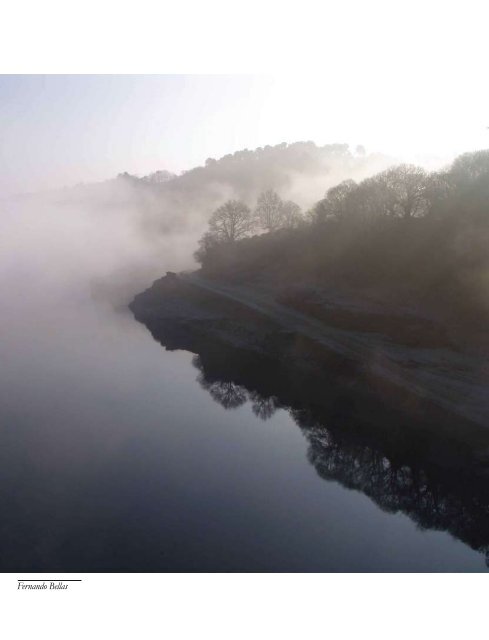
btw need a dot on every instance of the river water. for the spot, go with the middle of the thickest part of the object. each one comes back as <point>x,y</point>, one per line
<point>119,455</point>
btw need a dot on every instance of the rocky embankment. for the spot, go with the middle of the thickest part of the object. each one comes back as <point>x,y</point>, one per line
<point>370,353</point>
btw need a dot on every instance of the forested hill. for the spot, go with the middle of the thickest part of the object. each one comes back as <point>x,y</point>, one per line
<point>417,238</point>
<point>301,171</point>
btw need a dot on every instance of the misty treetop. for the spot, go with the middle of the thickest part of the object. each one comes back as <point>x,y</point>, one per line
<point>234,221</point>
<point>272,213</point>
<point>401,191</point>
<point>269,210</point>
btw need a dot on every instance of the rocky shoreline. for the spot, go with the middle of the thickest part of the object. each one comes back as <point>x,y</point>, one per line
<point>416,379</point>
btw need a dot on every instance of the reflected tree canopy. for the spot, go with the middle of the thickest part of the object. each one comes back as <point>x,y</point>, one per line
<point>227,394</point>
<point>401,465</point>
<point>263,407</point>
<point>231,395</point>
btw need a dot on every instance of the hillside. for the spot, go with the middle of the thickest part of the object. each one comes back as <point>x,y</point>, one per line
<point>301,171</point>
<point>410,240</point>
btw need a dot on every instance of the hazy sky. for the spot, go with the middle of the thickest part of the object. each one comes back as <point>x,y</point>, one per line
<point>60,130</point>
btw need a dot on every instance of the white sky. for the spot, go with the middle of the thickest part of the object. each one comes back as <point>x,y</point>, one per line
<point>409,79</point>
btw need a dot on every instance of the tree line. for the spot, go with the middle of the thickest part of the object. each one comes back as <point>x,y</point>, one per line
<point>407,191</point>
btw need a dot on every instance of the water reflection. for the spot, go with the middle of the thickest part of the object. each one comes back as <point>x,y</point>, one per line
<point>225,392</point>
<point>432,469</point>
<point>231,395</point>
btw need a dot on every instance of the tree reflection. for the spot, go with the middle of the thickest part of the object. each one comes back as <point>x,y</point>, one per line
<point>232,395</point>
<point>402,466</point>
<point>224,392</point>
<point>227,394</point>
<point>263,407</point>
<point>432,504</point>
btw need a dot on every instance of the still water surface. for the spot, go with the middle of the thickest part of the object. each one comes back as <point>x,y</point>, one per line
<point>117,455</point>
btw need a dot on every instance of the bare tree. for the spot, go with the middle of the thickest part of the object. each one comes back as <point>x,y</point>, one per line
<point>470,166</point>
<point>372,199</point>
<point>268,211</point>
<point>405,185</point>
<point>336,202</point>
<point>291,215</point>
<point>231,222</point>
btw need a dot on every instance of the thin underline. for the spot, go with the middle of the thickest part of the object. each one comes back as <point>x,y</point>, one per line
<point>47,580</point>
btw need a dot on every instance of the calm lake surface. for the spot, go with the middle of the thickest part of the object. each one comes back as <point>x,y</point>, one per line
<point>118,455</point>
